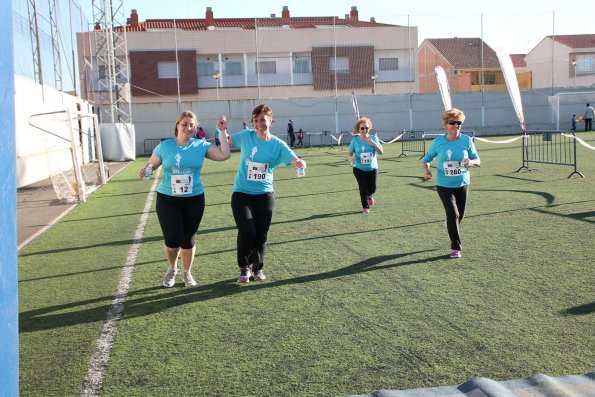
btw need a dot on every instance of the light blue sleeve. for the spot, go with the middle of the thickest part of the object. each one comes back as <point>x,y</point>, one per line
<point>431,153</point>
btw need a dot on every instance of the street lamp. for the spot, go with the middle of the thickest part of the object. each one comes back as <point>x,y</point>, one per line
<point>574,65</point>
<point>216,76</point>
<point>373,77</point>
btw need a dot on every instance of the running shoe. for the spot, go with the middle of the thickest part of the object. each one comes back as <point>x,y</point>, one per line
<point>245,275</point>
<point>189,280</point>
<point>455,254</point>
<point>365,210</point>
<point>170,277</point>
<point>371,201</point>
<point>259,276</point>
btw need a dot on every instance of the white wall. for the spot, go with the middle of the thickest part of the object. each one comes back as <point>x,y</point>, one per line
<point>40,153</point>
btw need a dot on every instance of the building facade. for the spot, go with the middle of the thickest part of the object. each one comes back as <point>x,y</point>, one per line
<point>252,58</point>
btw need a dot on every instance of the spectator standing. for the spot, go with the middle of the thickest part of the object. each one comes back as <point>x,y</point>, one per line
<point>200,134</point>
<point>588,117</point>
<point>573,123</point>
<point>291,133</point>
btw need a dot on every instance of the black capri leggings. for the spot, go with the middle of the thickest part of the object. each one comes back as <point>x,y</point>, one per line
<point>179,218</point>
<point>366,181</point>
<point>253,214</point>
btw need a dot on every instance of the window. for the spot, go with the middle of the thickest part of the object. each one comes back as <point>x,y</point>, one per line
<point>232,68</point>
<point>339,65</point>
<point>301,65</point>
<point>205,68</point>
<point>489,78</point>
<point>388,64</point>
<point>585,64</point>
<point>267,67</point>
<point>167,70</point>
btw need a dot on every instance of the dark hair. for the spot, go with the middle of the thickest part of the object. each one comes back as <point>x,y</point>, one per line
<point>262,109</point>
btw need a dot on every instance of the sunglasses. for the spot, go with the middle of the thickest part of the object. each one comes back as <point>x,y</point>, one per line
<point>454,122</point>
<point>363,128</point>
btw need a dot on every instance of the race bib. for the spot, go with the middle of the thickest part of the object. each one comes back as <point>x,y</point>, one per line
<point>257,171</point>
<point>365,158</point>
<point>181,184</point>
<point>453,168</point>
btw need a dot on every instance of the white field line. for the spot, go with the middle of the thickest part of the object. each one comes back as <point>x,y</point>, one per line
<point>92,385</point>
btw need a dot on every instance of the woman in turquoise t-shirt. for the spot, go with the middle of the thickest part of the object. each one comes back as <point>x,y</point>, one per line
<point>180,201</point>
<point>454,153</point>
<point>362,154</point>
<point>253,198</point>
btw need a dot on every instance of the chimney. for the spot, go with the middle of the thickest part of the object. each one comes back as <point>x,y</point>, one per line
<point>354,14</point>
<point>373,19</point>
<point>285,17</point>
<point>285,12</point>
<point>133,18</point>
<point>209,20</point>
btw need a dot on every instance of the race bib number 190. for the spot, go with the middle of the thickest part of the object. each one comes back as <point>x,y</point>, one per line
<point>257,171</point>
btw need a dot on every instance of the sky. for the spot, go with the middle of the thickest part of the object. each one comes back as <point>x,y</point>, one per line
<point>514,26</point>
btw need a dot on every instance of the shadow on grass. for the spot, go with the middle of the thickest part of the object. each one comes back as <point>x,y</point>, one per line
<point>139,304</point>
<point>107,244</point>
<point>103,269</point>
<point>580,310</point>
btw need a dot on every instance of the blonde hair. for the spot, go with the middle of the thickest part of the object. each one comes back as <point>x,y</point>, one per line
<point>182,115</point>
<point>453,113</point>
<point>362,120</point>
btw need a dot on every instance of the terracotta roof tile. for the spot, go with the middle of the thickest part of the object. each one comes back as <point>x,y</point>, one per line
<point>248,23</point>
<point>518,60</point>
<point>465,53</point>
<point>576,40</point>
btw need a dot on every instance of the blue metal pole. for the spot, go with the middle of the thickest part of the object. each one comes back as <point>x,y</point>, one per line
<point>9,319</point>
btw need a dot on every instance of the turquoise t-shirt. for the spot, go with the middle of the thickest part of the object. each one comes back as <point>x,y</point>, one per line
<point>258,159</point>
<point>365,154</point>
<point>449,156</point>
<point>181,167</point>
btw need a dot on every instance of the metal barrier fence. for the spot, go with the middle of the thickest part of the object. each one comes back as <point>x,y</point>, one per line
<point>413,141</point>
<point>151,144</point>
<point>550,147</point>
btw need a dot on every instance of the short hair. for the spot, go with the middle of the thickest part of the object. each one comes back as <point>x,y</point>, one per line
<point>262,109</point>
<point>453,113</point>
<point>182,115</point>
<point>362,120</point>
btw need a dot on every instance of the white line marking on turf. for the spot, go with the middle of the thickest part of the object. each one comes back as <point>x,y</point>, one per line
<point>93,383</point>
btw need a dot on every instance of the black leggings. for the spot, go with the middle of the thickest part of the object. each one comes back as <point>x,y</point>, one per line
<point>366,181</point>
<point>454,201</point>
<point>253,214</point>
<point>179,218</point>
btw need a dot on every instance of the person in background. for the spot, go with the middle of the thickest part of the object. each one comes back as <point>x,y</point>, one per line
<point>573,123</point>
<point>180,201</point>
<point>253,199</point>
<point>300,137</point>
<point>362,153</point>
<point>200,134</point>
<point>291,133</point>
<point>455,153</point>
<point>588,117</point>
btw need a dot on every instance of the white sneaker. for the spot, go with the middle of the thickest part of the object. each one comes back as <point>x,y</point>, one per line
<point>170,277</point>
<point>259,276</point>
<point>189,280</point>
<point>245,275</point>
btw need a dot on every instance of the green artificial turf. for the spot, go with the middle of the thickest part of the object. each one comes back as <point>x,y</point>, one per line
<point>352,302</point>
